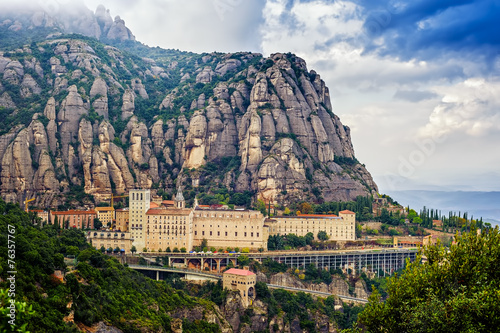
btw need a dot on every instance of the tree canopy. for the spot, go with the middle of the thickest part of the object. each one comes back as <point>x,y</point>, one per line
<point>455,289</point>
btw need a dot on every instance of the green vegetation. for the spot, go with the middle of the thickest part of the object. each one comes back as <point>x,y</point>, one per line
<point>100,288</point>
<point>455,290</point>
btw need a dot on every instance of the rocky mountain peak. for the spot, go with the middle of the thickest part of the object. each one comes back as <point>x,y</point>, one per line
<point>97,119</point>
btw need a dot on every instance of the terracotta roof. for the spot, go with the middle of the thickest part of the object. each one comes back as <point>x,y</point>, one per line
<point>346,212</point>
<point>309,216</point>
<point>237,271</point>
<point>163,211</point>
<point>104,209</point>
<point>153,205</point>
<point>167,202</point>
<point>317,215</point>
<point>74,212</point>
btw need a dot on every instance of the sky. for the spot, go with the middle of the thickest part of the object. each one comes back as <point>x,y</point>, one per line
<point>418,82</point>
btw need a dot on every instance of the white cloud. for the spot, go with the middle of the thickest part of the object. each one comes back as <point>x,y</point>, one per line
<point>194,25</point>
<point>470,107</point>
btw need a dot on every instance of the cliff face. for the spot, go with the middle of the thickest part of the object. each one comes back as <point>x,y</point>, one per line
<point>79,114</point>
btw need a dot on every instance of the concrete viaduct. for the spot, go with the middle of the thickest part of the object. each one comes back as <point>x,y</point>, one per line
<point>381,262</point>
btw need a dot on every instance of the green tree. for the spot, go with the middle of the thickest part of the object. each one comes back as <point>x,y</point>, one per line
<point>243,260</point>
<point>412,214</point>
<point>22,312</point>
<point>417,220</point>
<point>204,243</point>
<point>183,250</point>
<point>322,235</point>
<point>309,238</point>
<point>455,290</point>
<point>133,249</point>
<point>97,223</point>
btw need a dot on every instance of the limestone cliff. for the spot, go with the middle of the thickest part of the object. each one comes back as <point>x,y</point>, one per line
<point>85,116</point>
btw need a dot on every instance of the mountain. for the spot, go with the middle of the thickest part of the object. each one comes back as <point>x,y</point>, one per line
<point>82,117</point>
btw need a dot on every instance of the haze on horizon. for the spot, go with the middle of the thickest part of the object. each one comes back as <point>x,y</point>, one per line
<point>417,82</point>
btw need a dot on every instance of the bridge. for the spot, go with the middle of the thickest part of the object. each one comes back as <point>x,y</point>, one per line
<point>185,271</point>
<point>216,277</point>
<point>382,262</point>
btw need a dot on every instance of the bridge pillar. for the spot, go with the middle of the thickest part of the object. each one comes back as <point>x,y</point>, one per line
<point>201,266</point>
<point>157,275</point>
<point>218,264</point>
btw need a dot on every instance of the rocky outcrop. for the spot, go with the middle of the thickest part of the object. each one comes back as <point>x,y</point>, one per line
<point>112,122</point>
<point>119,31</point>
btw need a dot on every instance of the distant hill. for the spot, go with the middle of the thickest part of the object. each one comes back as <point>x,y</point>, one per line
<point>476,203</point>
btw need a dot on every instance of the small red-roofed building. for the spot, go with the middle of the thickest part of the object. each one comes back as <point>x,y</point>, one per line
<point>242,280</point>
<point>437,224</point>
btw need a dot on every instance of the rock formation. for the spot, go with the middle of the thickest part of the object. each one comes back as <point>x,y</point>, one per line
<point>85,115</point>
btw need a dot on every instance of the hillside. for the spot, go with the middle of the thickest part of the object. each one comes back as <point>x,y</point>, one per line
<point>95,293</point>
<point>98,119</point>
<point>476,203</point>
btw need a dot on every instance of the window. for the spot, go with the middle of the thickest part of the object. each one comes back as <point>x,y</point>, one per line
<point>245,234</point>
<point>226,234</point>
<point>203,233</point>
<point>210,233</point>
<point>218,233</point>
<point>236,233</point>
<point>257,234</point>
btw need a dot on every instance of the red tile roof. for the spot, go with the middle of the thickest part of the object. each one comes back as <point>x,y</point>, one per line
<point>74,212</point>
<point>153,205</point>
<point>168,211</point>
<point>237,271</point>
<point>347,212</point>
<point>316,215</point>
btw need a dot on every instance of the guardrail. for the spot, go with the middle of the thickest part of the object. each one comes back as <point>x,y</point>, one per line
<point>275,286</point>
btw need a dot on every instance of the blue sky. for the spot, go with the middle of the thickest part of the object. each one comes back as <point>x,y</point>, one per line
<point>417,81</point>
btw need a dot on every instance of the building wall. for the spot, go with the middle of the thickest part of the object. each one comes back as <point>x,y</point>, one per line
<point>169,228</point>
<point>337,228</point>
<point>105,215</point>
<point>77,219</point>
<point>230,228</point>
<point>122,219</point>
<point>139,201</point>
<point>110,239</point>
<point>242,283</point>
<point>43,214</point>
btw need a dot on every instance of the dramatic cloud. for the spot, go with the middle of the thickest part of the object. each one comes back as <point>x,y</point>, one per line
<point>429,29</point>
<point>470,107</point>
<point>398,84</point>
